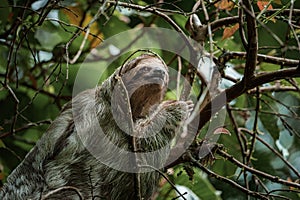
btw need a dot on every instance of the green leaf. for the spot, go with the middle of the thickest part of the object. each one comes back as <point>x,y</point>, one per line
<point>47,39</point>
<point>180,20</point>
<point>4,12</point>
<point>289,106</point>
<point>2,145</point>
<point>269,123</point>
<point>200,185</point>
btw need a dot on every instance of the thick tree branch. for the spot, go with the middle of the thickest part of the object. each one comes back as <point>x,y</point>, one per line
<point>239,88</point>
<point>252,41</point>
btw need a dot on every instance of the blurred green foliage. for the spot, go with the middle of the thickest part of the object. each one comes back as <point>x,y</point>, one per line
<point>32,63</point>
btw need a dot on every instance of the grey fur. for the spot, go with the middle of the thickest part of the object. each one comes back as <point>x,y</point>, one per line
<point>60,157</point>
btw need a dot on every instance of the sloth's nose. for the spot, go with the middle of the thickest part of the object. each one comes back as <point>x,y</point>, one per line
<point>158,72</point>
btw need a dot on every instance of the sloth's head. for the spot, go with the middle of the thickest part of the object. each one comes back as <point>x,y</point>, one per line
<point>146,80</point>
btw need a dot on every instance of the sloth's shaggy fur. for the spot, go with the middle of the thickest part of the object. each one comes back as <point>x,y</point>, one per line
<point>60,158</point>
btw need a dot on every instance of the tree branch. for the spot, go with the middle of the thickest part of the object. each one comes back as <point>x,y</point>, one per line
<point>252,42</point>
<point>257,172</point>
<point>261,58</point>
<point>239,88</point>
<point>224,179</point>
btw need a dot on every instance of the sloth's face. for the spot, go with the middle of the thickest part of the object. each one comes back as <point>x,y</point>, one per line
<point>141,76</point>
<point>146,83</point>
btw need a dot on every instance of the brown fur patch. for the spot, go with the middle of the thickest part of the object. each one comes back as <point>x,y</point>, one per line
<point>144,98</point>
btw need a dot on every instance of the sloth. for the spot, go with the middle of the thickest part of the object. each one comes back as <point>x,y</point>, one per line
<point>96,147</point>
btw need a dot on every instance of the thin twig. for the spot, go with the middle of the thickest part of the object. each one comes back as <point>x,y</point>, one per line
<point>274,151</point>
<point>257,172</point>
<point>224,179</point>
<point>165,177</point>
<point>76,190</point>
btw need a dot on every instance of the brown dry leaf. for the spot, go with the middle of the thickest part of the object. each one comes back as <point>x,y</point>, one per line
<point>263,3</point>
<point>224,5</point>
<point>229,31</point>
<point>75,15</point>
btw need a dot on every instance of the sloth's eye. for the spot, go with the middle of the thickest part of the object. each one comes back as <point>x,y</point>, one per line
<point>145,69</point>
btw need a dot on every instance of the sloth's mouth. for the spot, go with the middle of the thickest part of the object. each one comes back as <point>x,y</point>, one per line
<point>146,86</point>
<point>143,99</point>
